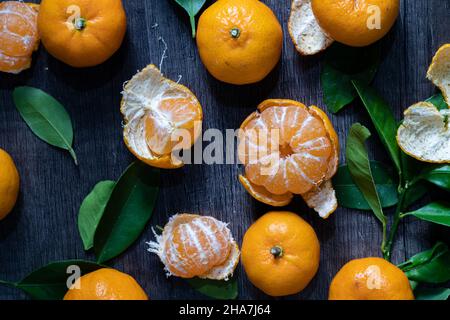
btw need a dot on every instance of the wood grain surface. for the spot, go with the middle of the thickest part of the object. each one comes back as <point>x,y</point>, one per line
<point>42,228</point>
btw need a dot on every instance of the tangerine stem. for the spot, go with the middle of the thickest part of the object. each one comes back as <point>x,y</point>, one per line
<point>235,32</point>
<point>79,23</point>
<point>276,251</point>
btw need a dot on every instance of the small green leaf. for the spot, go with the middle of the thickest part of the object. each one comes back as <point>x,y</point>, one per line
<point>382,118</point>
<point>349,196</point>
<point>127,212</point>
<point>342,65</point>
<point>50,281</point>
<point>431,266</point>
<point>359,167</point>
<point>432,293</point>
<point>438,101</point>
<point>223,290</point>
<point>91,211</point>
<point>46,117</point>
<point>438,175</point>
<point>192,7</point>
<point>436,212</point>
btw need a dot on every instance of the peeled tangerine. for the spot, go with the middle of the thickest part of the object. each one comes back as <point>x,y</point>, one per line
<point>425,132</point>
<point>197,246</point>
<point>18,35</point>
<point>161,118</point>
<point>288,148</point>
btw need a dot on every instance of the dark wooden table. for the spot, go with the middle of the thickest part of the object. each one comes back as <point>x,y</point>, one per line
<point>42,228</point>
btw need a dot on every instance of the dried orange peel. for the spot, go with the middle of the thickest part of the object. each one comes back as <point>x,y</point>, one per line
<point>196,246</point>
<point>19,35</point>
<point>161,117</point>
<point>287,149</point>
<point>425,132</point>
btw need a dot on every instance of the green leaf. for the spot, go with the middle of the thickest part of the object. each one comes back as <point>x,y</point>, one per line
<point>342,65</point>
<point>192,7</point>
<point>438,101</point>
<point>349,196</point>
<point>91,211</point>
<point>223,290</point>
<point>127,212</point>
<point>46,117</point>
<point>436,212</point>
<point>50,282</point>
<point>382,118</point>
<point>438,175</point>
<point>414,193</point>
<point>431,266</point>
<point>432,293</point>
<point>360,171</point>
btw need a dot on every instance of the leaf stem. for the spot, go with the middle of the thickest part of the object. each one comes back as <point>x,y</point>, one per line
<point>387,248</point>
<point>192,20</point>
<point>8,283</point>
<point>74,156</point>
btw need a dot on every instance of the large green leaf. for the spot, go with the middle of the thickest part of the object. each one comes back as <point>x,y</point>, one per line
<point>438,101</point>
<point>438,175</point>
<point>192,7</point>
<point>431,266</point>
<point>436,212</point>
<point>360,170</point>
<point>432,293</point>
<point>349,195</point>
<point>127,212</point>
<point>342,65</point>
<point>51,281</point>
<point>382,118</point>
<point>224,290</point>
<point>46,117</point>
<point>91,211</point>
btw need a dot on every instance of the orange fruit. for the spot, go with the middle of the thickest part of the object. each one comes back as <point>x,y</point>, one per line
<point>161,118</point>
<point>82,33</point>
<point>9,184</point>
<point>18,35</point>
<point>197,246</point>
<point>356,23</point>
<point>287,148</point>
<point>239,41</point>
<point>280,253</point>
<point>106,284</point>
<point>370,279</point>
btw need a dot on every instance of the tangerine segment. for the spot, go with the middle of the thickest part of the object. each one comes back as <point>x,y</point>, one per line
<point>18,35</point>
<point>299,161</point>
<point>193,245</point>
<point>261,194</point>
<point>167,124</point>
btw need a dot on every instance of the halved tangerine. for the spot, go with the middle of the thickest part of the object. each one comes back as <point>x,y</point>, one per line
<point>196,246</point>
<point>18,35</point>
<point>161,117</point>
<point>288,148</point>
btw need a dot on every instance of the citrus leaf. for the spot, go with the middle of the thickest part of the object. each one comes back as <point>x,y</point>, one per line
<point>438,101</point>
<point>223,290</point>
<point>46,117</point>
<point>127,212</point>
<point>50,281</point>
<point>349,196</point>
<point>338,73</point>
<point>432,293</point>
<point>439,176</point>
<point>436,212</point>
<point>192,7</point>
<point>382,118</point>
<point>431,266</point>
<point>91,211</point>
<point>360,170</point>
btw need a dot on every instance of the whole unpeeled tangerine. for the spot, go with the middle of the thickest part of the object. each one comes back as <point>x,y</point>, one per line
<point>9,184</point>
<point>356,23</point>
<point>239,41</point>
